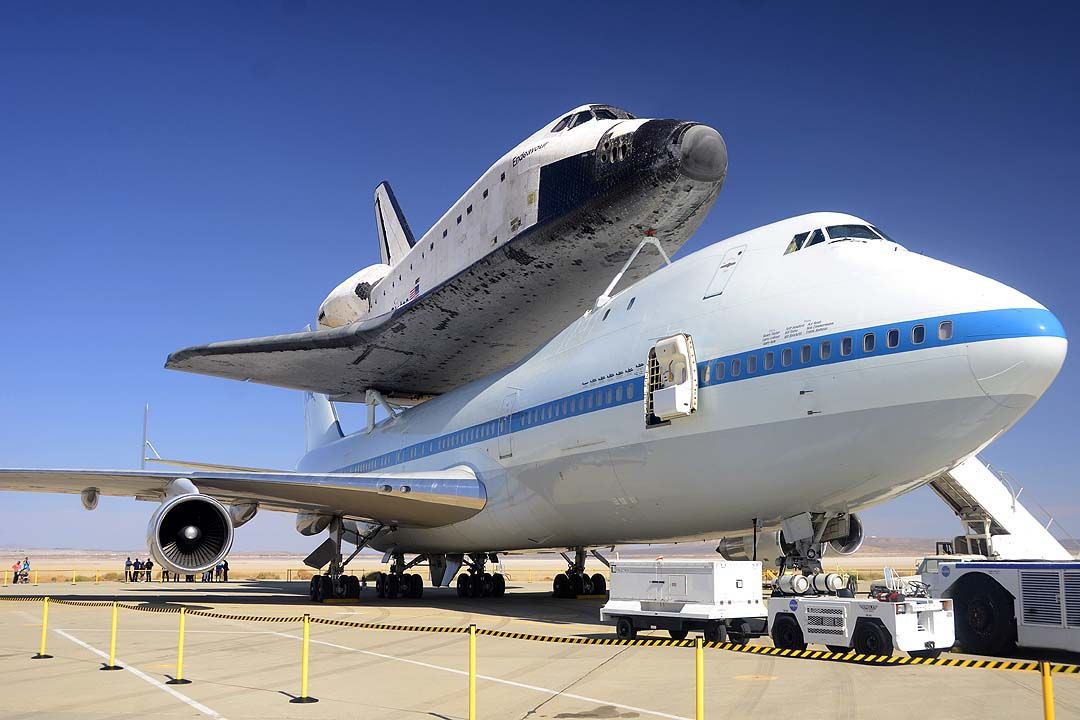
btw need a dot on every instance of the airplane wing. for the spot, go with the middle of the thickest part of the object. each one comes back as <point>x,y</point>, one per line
<point>416,499</point>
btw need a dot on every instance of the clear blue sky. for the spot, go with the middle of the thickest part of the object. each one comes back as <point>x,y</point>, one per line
<point>175,174</point>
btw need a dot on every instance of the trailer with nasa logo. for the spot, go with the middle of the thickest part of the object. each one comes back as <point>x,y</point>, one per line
<point>876,625</point>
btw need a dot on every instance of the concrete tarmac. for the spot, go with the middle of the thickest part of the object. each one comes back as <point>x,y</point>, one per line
<point>245,669</point>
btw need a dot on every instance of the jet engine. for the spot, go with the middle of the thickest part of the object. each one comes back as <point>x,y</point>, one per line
<point>769,547</point>
<point>850,541</point>
<point>351,300</point>
<point>189,533</point>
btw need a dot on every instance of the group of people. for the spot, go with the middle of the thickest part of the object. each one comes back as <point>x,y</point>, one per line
<point>142,571</point>
<point>219,573</point>
<point>20,571</point>
<point>138,571</point>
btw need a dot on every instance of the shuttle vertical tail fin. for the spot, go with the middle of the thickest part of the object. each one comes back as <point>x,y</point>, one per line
<point>395,237</point>
<point>321,424</point>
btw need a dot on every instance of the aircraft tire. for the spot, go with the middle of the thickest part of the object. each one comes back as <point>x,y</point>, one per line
<point>476,585</point>
<point>393,586</point>
<point>586,585</point>
<point>380,585</point>
<point>499,585</point>
<point>577,585</point>
<point>313,588</point>
<point>463,585</point>
<point>560,586</point>
<point>326,588</point>
<point>416,586</point>
<point>352,587</point>
<point>599,583</point>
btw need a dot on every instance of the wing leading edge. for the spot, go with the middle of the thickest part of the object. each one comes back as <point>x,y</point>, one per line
<point>415,499</point>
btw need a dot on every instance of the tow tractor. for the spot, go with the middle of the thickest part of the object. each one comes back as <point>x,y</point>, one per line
<point>819,609</point>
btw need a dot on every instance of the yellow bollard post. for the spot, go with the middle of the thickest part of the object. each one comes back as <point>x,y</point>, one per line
<point>472,672</point>
<point>1048,690</point>
<point>97,577</point>
<point>44,631</point>
<point>72,577</point>
<point>5,578</point>
<point>304,697</point>
<point>35,578</point>
<point>179,679</point>
<point>699,657</point>
<point>112,643</point>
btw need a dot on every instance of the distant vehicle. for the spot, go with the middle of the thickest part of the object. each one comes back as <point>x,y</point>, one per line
<point>720,599</point>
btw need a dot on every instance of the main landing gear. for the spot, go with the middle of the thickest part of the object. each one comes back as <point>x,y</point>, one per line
<point>478,584</point>
<point>400,584</point>
<point>335,584</point>
<point>575,581</point>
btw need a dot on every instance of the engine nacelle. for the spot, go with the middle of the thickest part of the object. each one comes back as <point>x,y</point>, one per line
<point>852,540</point>
<point>351,300</point>
<point>189,533</point>
<point>309,523</point>
<point>769,548</point>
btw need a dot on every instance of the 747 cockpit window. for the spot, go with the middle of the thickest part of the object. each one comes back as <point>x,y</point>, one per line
<point>858,232</point>
<point>796,242</point>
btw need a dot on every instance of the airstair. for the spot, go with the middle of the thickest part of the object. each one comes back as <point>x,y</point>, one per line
<point>995,524</point>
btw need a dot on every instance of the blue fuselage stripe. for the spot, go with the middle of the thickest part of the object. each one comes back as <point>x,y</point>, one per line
<point>775,356</point>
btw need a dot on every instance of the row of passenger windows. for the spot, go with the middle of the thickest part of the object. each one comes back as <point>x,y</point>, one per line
<point>592,400</point>
<point>715,372</point>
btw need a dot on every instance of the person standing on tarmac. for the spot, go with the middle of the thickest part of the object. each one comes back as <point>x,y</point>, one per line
<point>225,571</point>
<point>148,568</point>
<point>127,570</point>
<point>136,570</point>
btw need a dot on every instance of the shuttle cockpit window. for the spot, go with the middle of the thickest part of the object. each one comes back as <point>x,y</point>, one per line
<point>580,119</point>
<point>561,125</point>
<point>610,112</point>
<point>852,232</point>
<point>605,114</point>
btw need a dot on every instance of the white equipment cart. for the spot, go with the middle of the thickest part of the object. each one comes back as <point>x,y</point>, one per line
<point>717,598</point>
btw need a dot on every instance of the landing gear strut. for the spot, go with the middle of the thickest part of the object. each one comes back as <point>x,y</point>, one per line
<point>575,581</point>
<point>476,583</point>
<point>336,584</point>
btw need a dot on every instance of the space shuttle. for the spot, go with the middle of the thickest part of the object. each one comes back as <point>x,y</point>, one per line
<point>520,255</point>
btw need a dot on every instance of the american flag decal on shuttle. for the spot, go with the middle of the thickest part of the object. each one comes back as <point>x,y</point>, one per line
<point>415,292</point>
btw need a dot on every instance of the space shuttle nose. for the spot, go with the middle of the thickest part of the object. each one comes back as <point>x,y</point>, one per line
<point>702,154</point>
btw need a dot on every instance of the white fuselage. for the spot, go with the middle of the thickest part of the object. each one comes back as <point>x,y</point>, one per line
<point>560,440</point>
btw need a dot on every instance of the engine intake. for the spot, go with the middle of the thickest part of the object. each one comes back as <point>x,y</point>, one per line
<point>190,533</point>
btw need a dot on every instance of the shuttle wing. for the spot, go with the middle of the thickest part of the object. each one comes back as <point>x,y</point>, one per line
<point>414,499</point>
<point>483,320</point>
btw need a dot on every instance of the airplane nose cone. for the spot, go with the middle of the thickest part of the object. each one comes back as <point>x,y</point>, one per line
<point>702,154</point>
<point>1016,371</point>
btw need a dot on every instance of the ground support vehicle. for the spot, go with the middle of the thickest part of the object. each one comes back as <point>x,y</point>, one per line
<point>1004,604</point>
<point>922,627</point>
<point>721,599</point>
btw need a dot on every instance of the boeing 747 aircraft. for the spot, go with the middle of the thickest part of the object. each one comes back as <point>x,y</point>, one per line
<point>786,377</point>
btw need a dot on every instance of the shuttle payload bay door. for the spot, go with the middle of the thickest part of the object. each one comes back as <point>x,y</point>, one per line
<point>506,447</point>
